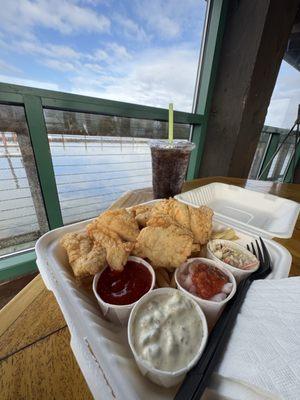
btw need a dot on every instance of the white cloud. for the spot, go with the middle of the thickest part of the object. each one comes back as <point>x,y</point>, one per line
<point>22,16</point>
<point>46,49</point>
<point>112,51</point>
<point>61,51</point>
<point>59,65</point>
<point>157,18</point>
<point>29,82</point>
<point>131,29</point>
<point>5,67</point>
<point>170,18</point>
<point>99,55</point>
<point>118,51</point>
<point>95,68</point>
<point>154,77</point>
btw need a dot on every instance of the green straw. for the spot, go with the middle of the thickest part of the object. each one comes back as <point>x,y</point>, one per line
<point>171,123</point>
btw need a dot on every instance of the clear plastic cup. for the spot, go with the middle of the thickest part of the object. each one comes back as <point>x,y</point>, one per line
<point>169,166</point>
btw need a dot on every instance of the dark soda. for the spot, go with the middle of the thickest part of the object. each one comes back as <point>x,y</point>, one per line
<point>169,166</point>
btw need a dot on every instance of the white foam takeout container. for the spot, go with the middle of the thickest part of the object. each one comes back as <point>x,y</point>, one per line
<point>100,347</point>
<point>119,314</point>
<point>263,214</point>
<point>165,378</point>
<point>211,309</point>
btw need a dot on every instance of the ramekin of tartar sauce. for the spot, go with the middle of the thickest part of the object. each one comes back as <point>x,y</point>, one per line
<point>212,307</point>
<point>118,292</point>
<point>167,333</point>
<point>236,258</point>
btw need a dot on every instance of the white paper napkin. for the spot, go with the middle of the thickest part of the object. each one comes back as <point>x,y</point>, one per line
<point>264,348</point>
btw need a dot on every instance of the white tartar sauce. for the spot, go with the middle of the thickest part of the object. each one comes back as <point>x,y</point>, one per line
<point>167,331</point>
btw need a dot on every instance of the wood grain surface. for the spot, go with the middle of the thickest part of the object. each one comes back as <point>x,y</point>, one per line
<point>36,361</point>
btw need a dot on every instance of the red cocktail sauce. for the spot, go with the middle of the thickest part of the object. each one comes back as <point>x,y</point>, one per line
<point>208,280</point>
<point>124,287</point>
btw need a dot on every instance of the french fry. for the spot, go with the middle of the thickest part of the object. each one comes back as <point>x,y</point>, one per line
<point>160,280</point>
<point>235,238</point>
<point>165,274</point>
<point>196,247</point>
<point>173,282</point>
<point>228,234</point>
<point>218,235</point>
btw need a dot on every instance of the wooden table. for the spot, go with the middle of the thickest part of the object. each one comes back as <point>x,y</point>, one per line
<point>36,359</point>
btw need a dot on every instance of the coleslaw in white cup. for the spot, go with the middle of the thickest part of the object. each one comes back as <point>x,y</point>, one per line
<point>238,273</point>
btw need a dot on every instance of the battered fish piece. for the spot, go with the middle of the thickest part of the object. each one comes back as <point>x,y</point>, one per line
<point>178,211</point>
<point>117,251</point>
<point>201,223</point>
<point>164,221</point>
<point>164,247</point>
<point>119,221</point>
<point>141,214</point>
<point>196,219</point>
<point>85,257</point>
<point>140,209</point>
<point>160,220</point>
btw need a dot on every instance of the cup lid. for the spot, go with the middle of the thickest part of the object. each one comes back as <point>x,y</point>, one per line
<point>176,144</point>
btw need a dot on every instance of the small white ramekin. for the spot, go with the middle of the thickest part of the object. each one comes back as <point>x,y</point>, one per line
<point>212,309</point>
<point>119,314</point>
<point>238,273</point>
<point>165,378</point>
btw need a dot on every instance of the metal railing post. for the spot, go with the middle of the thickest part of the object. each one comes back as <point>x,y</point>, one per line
<point>41,149</point>
<point>270,150</point>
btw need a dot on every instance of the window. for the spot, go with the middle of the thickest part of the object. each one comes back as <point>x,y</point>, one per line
<point>281,115</point>
<point>283,108</point>
<point>97,158</point>
<point>22,215</point>
<point>144,52</point>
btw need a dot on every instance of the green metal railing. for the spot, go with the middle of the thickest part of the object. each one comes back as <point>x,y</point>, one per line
<point>35,100</point>
<point>276,135</point>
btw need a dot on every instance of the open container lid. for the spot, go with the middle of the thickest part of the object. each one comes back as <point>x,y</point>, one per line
<point>262,214</point>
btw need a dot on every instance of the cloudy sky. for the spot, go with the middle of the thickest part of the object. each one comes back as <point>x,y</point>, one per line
<point>283,108</point>
<point>139,51</point>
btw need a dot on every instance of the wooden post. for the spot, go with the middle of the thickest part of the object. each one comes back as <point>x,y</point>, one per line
<point>254,42</point>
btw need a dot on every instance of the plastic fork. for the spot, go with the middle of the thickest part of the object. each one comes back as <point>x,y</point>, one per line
<point>197,379</point>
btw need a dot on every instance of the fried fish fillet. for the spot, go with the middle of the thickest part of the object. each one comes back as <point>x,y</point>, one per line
<point>117,251</point>
<point>196,219</point>
<point>175,209</point>
<point>201,223</point>
<point>141,214</point>
<point>119,221</point>
<point>164,221</point>
<point>85,257</point>
<point>160,219</point>
<point>164,247</point>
